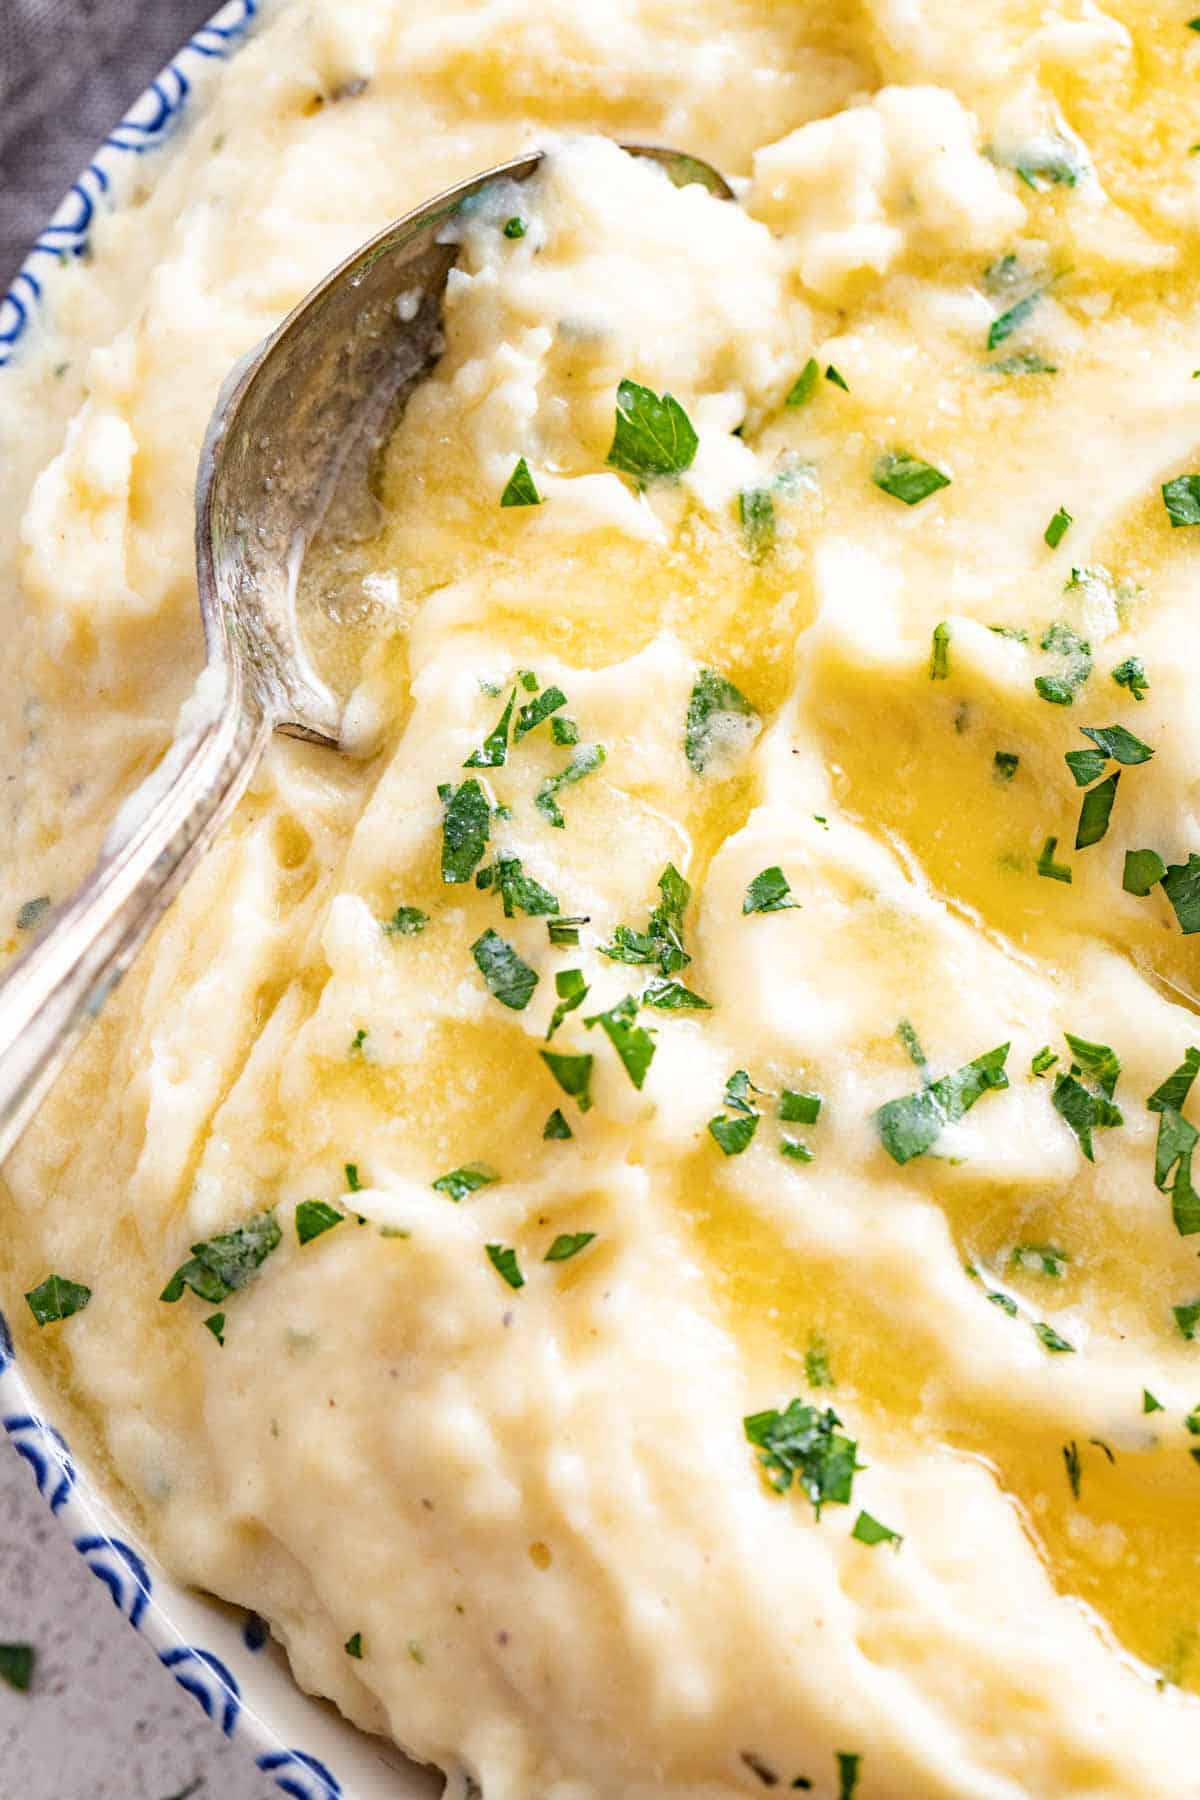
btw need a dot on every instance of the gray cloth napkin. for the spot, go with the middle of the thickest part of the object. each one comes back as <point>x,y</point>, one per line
<point>68,70</point>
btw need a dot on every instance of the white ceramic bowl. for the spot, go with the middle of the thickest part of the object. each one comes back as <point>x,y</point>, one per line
<point>224,1658</point>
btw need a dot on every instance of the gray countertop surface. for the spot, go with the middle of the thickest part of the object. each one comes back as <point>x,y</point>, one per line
<point>101,1721</point>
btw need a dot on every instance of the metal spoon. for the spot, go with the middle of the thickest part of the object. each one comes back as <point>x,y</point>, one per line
<point>287,451</point>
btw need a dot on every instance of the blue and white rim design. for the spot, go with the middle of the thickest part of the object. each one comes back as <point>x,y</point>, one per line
<point>130,1577</point>
<point>147,126</point>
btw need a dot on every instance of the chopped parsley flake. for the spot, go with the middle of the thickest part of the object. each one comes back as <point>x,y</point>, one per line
<point>1131,674</point>
<point>713,709</point>
<point>672,996</point>
<point>1173,1152</point>
<point>1012,320</point>
<point>32,912</point>
<point>1055,162</point>
<point>585,760</point>
<point>733,1135</point>
<point>849,1767</point>
<point>508,978</point>
<point>632,1043</point>
<point>465,1180</point>
<point>520,488</point>
<point>565,932</point>
<point>556,1127</point>
<point>57,1298</point>
<point>571,989</point>
<point>1041,1259</point>
<point>493,752</point>
<point>1046,865</point>
<point>564,731</point>
<point>906,1031</point>
<point>1149,1403</point>
<point>573,1075</point>
<point>466,826</point>
<point>504,1261</point>
<point>1005,764</point>
<point>528,680</point>
<point>662,940</point>
<point>358,1043</point>
<point>794,1150</point>
<point>406,921</point>
<point>1050,1338</point>
<point>756,515</point>
<point>1005,1302</point>
<point>568,1244</point>
<point>1070,1453</point>
<point>1058,527</point>
<point>1173,1092</point>
<point>1075,661</point>
<point>514,227</point>
<point>1118,743</point>
<point>1043,1061</point>
<point>1024,362</point>
<point>769,892</point>
<point>314,1217</point>
<point>910,1126</point>
<point>226,1263</point>
<point>215,1323</point>
<point>1096,811</point>
<point>805,384</point>
<point>907,478</point>
<point>837,378</point>
<point>532,714</point>
<point>1187,1318</point>
<point>869,1531</point>
<point>1086,765</point>
<point>1144,869</point>
<point>816,1363</point>
<point>799,1109</point>
<point>804,1445</point>
<point>352,1181</point>
<point>1083,1099</point>
<point>1181,498</point>
<point>16,1665</point>
<point>1181,885</point>
<point>653,436</point>
<point>517,890</point>
<point>354,1646</point>
<point>939,655</point>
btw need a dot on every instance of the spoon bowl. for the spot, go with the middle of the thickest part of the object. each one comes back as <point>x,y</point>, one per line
<point>288,452</point>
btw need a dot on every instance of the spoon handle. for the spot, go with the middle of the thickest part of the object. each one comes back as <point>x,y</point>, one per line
<point>89,941</point>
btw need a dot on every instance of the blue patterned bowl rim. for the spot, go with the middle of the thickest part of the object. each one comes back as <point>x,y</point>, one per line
<point>223,1658</point>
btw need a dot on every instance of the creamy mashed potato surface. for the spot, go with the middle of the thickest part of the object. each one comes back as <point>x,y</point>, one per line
<point>707,1291</point>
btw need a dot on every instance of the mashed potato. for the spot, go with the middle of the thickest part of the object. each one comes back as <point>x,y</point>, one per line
<point>686,1123</point>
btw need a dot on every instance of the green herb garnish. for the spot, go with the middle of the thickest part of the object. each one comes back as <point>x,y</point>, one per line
<point>769,892</point>
<point>465,1180</point>
<point>226,1263</point>
<point>804,386</point>
<point>354,1646</point>
<point>314,1217</point>
<point>939,655</point>
<point>907,478</point>
<point>466,826</point>
<point>556,1127</point>
<point>493,752</point>
<point>517,891</point>
<point>653,436</point>
<point>1130,674</point>
<point>1084,1098</point>
<point>32,912</point>
<point>804,1445</point>
<point>794,1150</point>
<point>1144,869</point>
<point>215,1323</point>
<point>573,1075</point>
<point>1086,765</point>
<point>1181,498</point>
<point>1096,811</point>
<point>1181,885</point>
<point>733,1135</point>
<point>571,989</point>
<point>713,709</point>
<point>1043,1061</point>
<point>568,1244</point>
<point>1046,865</point>
<point>585,760</point>
<point>508,978</point>
<point>1187,1318</point>
<point>1118,743</point>
<point>756,515</point>
<point>1070,1454</point>
<point>16,1665</point>
<point>520,488</point>
<point>504,1261</point>
<point>1041,1259</point>
<point>799,1109</point>
<point>564,731</point>
<point>1011,321</point>
<point>532,714</point>
<point>1005,764</point>
<point>1050,1338</point>
<point>869,1531</point>
<point>1075,654</point>
<point>514,227</point>
<point>817,1368</point>
<point>1149,1403</point>
<point>672,996</point>
<point>632,1043</point>
<point>662,940</point>
<point>849,1764</point>
<point>565,932</point>
<point>910,1126</point>
<point>57,1298</point>
<point>406,921</point>
<point>1058,527</point>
